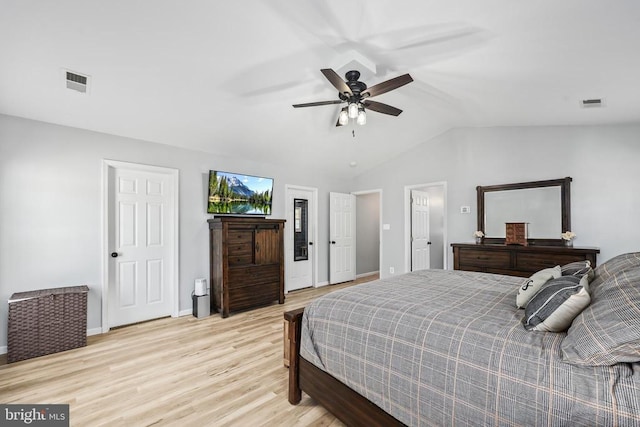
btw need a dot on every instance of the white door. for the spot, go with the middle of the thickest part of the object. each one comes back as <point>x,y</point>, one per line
<point>342,241</point>
<point>301,224</point>
<point>420,243</point>
<point>141,235</point>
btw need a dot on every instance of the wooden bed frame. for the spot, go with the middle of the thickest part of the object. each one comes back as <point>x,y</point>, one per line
<point>348,406</point>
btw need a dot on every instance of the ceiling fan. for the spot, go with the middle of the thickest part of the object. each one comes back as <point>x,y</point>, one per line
<point>356,94</point>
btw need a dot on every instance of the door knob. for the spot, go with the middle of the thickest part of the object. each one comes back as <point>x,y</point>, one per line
<point>114,254</point>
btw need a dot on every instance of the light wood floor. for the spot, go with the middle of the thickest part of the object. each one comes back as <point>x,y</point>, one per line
<point>175,371</point>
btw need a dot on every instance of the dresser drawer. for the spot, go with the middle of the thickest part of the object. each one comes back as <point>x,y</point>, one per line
<point>240,235</point>
<point>255,275</point>
<point>480,258</point>
<point>240,253</point>
<point>533,262</point>
<point>255,285</point>
<point>253,294</point>
<point>516,260</point>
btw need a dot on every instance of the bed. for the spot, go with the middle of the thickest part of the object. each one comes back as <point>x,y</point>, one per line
<point>441,347</point>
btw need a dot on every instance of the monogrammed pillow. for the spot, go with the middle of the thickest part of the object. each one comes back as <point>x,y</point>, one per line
<point>533,284</point>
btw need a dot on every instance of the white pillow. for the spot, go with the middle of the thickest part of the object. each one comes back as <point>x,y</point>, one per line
<point>555,306</point>
<point>532,285</point>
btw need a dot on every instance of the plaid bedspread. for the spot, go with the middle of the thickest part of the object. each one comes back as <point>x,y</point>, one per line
<point>448,348</point>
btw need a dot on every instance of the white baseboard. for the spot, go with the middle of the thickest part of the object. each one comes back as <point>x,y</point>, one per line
<point>371,273</point>
<point>358,276</point>
<point>187,312</point>
<point>94,331</point>
<point>3,349</point>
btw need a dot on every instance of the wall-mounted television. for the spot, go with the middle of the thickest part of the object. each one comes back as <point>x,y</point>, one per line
<point>238,194</point>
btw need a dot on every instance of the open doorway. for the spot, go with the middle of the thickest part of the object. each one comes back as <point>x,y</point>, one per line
<point>368,232</point>
<point>436,194</point>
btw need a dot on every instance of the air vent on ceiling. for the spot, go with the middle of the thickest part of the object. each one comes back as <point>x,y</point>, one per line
<point>592,103</point>
<point>77,81</point>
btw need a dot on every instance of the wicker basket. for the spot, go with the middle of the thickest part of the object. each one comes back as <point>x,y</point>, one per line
<point>46,321</point>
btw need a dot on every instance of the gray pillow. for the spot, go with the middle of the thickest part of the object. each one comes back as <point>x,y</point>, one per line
<point>608,331</point>
<point>578,269</point>
<point>614,266</point>
<point>557,303</point>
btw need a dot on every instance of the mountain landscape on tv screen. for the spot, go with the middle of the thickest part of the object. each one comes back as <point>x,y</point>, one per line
<point>239,194</point>
<point>237,187</point>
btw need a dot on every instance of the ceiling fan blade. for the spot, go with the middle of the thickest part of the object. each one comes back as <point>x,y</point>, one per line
<point>315,104</point>
<point>387,86</point>
<point>337,81</point>
<point>379,107</point>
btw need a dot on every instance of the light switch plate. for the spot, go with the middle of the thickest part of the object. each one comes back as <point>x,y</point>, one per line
<point>465,209</point>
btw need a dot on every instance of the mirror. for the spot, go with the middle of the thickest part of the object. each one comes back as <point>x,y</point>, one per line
<point>544,205</point>
<point>300,227</point>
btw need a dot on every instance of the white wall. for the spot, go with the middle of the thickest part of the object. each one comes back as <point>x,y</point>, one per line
<point>50,206</point>
<point>602,160</point>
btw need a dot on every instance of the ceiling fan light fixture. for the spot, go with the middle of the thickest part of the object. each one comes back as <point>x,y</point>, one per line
<point>362,117</point>
<point>343,119</point>
<point>356,94</point>
<point>353,110</point>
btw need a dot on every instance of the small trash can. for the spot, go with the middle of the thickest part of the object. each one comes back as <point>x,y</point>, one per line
<point>201,305</point>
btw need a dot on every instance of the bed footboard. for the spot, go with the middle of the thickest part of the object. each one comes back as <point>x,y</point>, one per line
<point>293,321</point>
<point>347,405</point>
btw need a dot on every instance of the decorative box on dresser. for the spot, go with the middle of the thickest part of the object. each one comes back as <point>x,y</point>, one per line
<point>516,260</point>
<point>246,258</point>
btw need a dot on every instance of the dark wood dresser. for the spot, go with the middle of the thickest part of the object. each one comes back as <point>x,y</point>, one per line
<point>246,258</point>
<point>516,260</point>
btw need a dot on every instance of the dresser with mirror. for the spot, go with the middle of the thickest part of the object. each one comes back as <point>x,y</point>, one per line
<point>545,207</point>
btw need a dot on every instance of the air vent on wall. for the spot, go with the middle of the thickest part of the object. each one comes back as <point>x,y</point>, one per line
<point>77,81</point>
<point>592,103</point>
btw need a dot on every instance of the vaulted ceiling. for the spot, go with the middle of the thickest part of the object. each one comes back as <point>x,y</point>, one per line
<point>222,76</point>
